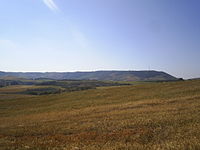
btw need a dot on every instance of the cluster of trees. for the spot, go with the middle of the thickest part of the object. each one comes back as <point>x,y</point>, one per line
<point>71,85</point>
<point>57,86</point>
<point>4,83</point>
<point>42,91</point>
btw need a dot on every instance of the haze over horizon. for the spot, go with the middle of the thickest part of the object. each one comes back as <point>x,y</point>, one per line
<point>90,35</point>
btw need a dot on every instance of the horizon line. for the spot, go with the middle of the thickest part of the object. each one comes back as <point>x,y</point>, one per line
<point>79,71</point>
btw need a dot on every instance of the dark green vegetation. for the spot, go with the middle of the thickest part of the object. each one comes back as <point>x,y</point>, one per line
<point>42,91</point>
<point>48,86</point>
<point>4,82</point>
<point>96,75</point>
<point>148,116</point>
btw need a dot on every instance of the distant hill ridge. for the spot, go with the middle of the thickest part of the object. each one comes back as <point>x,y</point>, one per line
<point>95,75</point>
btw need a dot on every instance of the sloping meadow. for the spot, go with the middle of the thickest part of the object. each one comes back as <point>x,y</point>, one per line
<point>148,116</point>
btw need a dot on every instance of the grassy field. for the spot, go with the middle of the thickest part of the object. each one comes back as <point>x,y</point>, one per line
<point>145,116</point>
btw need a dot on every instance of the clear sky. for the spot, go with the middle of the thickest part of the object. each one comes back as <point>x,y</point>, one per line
<point>87,35</point>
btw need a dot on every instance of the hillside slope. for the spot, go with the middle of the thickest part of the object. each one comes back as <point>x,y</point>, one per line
<point>149,116</point>
<point>96,75</point>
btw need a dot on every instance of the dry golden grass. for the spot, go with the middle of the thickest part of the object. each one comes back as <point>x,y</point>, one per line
<point>147,116</point>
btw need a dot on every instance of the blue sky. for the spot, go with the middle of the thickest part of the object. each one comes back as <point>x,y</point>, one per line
<point>87,35</point>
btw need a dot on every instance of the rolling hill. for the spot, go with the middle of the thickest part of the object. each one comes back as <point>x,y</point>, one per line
<point>96,75</point>
<point>149,116</point>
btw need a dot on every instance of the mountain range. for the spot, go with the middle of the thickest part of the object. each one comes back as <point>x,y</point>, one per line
<point>95,75</point>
